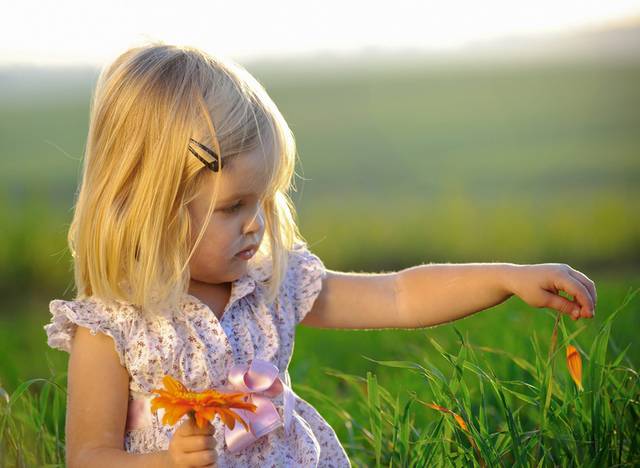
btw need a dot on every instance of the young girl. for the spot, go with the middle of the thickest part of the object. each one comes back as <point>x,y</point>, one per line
<point>188,262</point>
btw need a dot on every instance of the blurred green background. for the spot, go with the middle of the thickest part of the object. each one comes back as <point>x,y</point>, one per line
<point>533,163</point>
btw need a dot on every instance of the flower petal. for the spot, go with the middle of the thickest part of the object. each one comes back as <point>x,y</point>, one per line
<point>439,408</point>
<point>176,399</point>
<point>460,421</point>
<point>173,385</point>
<point>574,364</point>
<point>201,420</point>
<point>227,418</point>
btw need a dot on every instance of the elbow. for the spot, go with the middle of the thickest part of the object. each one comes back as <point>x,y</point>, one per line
<point>78,458</point>
<point>83,457</point>
<point>73,460</point>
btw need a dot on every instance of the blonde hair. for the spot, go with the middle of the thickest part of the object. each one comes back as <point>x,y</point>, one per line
<point>131,229</point>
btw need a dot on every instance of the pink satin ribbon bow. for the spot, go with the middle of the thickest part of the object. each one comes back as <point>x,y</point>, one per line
<point>261,380</point>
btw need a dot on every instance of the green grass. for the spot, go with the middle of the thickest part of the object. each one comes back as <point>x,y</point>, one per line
<point>519,404</point>
<point>540,420</point>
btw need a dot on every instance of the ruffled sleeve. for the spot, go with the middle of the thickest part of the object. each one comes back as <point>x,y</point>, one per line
<point>89,313</point>
<point>305,272</point>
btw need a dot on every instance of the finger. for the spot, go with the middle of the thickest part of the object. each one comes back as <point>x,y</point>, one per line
<point>189,427</point>
<point>197,443</point>
<point>202,458</point>
<point>575,288</point>
<point>585,299</point>
<point>207,430</point>
<point>590,285</point>
<point>196,433</point>
<point>562,305</point>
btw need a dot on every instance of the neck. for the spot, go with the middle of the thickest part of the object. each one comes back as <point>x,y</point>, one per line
<point>216,296</point>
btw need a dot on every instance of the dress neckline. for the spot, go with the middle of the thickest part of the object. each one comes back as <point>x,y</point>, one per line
<point>204,306</point>
<point>215,297</point>
<point>259,270</point>
<point>240,288</point>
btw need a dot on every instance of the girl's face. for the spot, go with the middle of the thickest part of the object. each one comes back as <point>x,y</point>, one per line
<point>236,223</point>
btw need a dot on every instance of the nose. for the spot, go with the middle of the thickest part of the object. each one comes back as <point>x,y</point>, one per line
<point>256,223</point>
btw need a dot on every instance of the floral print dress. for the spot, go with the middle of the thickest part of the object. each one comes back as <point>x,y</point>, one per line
<point>193,346</point>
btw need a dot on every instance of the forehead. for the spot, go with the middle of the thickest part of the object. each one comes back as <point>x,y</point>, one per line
<point>243,174</point>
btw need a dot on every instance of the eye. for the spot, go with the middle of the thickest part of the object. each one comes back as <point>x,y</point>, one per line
<point>233,209</point>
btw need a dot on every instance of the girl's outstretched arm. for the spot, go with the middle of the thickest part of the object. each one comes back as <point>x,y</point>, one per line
<point>427,295</point>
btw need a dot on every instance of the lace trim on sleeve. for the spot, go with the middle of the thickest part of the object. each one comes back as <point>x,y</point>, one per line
<point>307,272</point>
<point>67,315</point>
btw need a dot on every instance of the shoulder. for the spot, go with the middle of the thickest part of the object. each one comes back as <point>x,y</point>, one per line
<point>303,280</point>
<point>97,316</point>
<point>303,264</point>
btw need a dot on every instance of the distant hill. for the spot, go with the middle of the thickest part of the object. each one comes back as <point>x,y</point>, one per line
<point>614,42</point>
<point>617,41</point>
<point>608,42</point>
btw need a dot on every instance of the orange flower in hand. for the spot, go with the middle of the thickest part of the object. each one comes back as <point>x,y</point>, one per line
<point>177,400</point>
<point>574,363</point>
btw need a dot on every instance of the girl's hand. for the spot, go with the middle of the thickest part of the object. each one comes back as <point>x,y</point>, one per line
<point>191,446</point>
<point>538,286</point>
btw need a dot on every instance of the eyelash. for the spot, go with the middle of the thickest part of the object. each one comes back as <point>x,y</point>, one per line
<point>233,208</point>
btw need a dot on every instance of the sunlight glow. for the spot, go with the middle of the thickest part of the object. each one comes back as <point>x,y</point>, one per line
<point>74,31</point>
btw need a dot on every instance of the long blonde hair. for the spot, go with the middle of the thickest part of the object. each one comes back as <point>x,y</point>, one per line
<point>131,229</point>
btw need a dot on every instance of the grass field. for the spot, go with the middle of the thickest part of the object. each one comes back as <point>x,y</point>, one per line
<point>526,165</point>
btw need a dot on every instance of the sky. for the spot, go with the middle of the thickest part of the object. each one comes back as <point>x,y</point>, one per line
<point>79,32</point>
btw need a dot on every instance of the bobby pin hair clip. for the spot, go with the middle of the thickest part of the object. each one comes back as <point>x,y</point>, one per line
<point>213,165</point>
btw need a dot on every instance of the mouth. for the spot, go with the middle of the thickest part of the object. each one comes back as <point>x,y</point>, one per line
<point>247,253</point>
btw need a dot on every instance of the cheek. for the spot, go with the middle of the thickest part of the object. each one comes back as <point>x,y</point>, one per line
<point>197,220</point>
<point>206,261</point>
<point>216,242</point>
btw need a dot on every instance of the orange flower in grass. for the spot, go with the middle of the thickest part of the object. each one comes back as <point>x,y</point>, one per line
<point>177,400</point>
<point>457,417</point>
<point>574,363</point>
